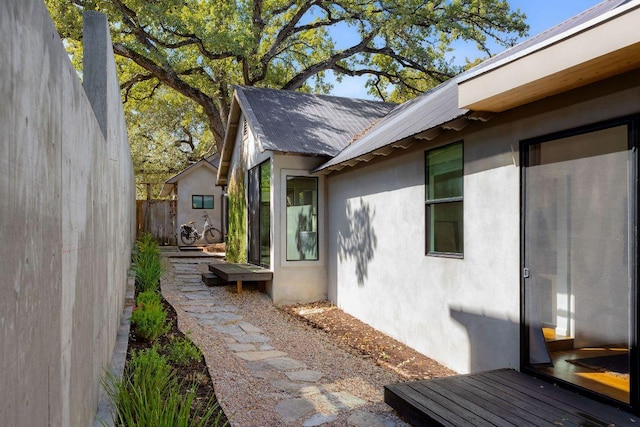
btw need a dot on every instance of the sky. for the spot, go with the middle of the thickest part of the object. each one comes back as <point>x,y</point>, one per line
<point>541,15</point>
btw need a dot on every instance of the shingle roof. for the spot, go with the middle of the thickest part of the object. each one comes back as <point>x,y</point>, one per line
<point>295,122</point>
<point>440,105</point>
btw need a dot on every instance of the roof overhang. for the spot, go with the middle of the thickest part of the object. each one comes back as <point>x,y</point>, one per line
<point>598,49</point>
<point>233,122</point>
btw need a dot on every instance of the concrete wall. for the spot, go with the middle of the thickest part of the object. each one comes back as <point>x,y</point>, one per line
<point>198,181</point>
<point>67,209</point>
<point>464,313</point>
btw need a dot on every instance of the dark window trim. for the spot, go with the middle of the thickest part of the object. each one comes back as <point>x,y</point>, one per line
<point>202,196</point>
<point>258,168</point>
<point>427,203</point>
<point>633,123</point>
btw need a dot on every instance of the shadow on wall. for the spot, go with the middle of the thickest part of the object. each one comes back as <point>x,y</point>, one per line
<point>359,241</point>
<point>493,343</point>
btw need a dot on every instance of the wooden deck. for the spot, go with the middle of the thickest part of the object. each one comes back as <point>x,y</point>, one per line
<point>499,398</point>
<point>241,272</point>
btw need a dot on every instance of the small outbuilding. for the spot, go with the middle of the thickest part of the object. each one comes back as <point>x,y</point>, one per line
<point>196,193</point>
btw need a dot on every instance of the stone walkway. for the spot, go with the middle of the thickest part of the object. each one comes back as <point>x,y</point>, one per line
<point>303,398</point>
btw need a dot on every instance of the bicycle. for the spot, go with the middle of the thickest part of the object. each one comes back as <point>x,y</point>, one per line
<point>189,232</point>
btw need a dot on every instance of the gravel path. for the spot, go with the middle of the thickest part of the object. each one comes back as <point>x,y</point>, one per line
<point>268,368</point>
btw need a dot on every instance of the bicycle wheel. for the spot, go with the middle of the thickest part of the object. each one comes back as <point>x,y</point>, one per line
<point>213,235</point>
<point>188,238</point>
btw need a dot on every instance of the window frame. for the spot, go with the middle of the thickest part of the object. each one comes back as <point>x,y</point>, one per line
<point>202,199</point>
<point>442,201</point>
<point>286,215</point>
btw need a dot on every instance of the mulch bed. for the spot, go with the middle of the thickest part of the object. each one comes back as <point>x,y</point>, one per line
<point>358,337</point>
<point>195,372</point>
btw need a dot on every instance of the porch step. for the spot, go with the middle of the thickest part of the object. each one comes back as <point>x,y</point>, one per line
<point>557,342</point>
<point>211,279</point>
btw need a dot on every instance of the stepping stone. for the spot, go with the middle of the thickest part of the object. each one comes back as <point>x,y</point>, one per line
<point>199,308</point>
<point>245,347</point>
<point>306,376</point>
<point>219,319</point>
<point>190,288</point>
<point>367,419</point>
<point>336,401</point>
<point>233,330</point>
<point>197,295</point>
<point>285,364</point>
<point>319,419</point>
<point>288,386</point>
<point>253,356</point>
<point>265,347</point>
<point>293,409</point>
<point>227,308</point>
<point>249,328</point>
<point>252,338</point>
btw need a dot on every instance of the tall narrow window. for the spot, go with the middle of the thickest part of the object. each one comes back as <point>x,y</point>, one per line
<point>302,218</point>
<point>259,214</point>
<point>443,204</point>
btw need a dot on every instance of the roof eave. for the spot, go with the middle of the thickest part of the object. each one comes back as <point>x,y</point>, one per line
<point>456,124</point>
<point>557,64</point>
<point>235,112</point>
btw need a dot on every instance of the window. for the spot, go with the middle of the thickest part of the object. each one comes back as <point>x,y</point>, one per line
<point>443,204</point>
<point>259,214</point>
<point>201,202</point>
<point>302,218</point>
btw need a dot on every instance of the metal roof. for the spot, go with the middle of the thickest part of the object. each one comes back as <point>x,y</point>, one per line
<point>295,122</point>
<point>427,115</point>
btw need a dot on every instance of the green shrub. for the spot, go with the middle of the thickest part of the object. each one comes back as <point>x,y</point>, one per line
<point>147,264</point>
<point>236,249</point>
<point>149,395</point>
<point>182,351</point>
<point>148,269</point>
<point>149,321</point>
<point>149,297</point>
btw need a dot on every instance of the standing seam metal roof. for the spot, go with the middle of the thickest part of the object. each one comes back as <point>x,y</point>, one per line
<point>439,105</point>
<point>296,122</point>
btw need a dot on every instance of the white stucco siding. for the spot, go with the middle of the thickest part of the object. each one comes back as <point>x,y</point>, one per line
<point>377,232</point>
<point>299,281</point>
<point>464,313</point>
<point>200,181</point>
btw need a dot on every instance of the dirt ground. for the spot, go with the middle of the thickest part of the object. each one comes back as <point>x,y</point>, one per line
<point>361,338</point>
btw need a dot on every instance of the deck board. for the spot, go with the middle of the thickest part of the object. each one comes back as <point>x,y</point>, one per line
<point>503,397</point>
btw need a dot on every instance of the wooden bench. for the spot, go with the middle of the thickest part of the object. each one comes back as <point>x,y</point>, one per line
<point>241,272</point>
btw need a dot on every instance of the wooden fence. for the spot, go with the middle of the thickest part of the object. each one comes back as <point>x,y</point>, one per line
<point>157,217</point>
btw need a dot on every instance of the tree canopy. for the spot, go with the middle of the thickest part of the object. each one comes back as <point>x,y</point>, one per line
<point>188,54</point>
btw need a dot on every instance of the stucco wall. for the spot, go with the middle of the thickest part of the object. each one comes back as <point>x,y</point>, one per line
<point>464,313</point>
<point>67,209</point>
<point>200,181</point>
<point>295,281</point>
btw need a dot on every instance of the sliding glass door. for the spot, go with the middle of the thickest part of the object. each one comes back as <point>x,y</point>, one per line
<point>579,257</point>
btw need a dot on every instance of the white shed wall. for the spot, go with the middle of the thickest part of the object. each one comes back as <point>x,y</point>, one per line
<point>200,181</point>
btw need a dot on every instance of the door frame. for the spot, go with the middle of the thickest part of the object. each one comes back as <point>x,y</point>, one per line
<point>633,123</point>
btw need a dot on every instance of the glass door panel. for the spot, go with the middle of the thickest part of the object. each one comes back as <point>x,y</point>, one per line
<point>579,245</point>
